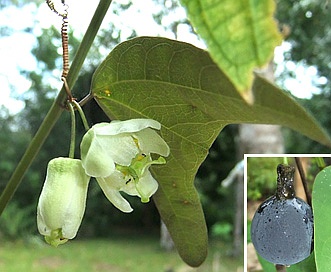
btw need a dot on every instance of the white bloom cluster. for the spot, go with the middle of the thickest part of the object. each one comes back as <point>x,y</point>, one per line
<point>118,155</point>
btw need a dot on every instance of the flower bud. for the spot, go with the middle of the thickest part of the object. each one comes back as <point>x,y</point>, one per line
<point>62,201</point>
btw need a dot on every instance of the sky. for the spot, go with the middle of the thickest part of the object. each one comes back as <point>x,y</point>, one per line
<point>15,46</point>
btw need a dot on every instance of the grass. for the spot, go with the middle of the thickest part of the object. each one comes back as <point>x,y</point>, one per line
<point>137,254</point>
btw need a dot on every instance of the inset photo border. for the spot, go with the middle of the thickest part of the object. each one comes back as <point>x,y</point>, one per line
<point>282,197</point>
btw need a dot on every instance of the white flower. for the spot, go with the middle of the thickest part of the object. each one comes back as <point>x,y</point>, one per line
<point>62,201</point>
<point>118,154</point>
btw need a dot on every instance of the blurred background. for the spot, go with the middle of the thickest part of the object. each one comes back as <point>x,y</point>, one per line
<point>31,65</point>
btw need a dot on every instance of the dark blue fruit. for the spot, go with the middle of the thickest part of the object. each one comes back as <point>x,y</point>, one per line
<point>282,227</point>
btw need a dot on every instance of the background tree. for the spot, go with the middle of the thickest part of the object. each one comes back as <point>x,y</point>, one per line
<point>307,27</point>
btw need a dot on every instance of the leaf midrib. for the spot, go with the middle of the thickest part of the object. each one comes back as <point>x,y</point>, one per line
<point>235,100</point>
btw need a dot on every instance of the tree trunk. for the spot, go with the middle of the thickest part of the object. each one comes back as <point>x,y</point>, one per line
<point>166,241</point>
<point>260,139</point>
<point>236,176</point>
<point>238,217</point>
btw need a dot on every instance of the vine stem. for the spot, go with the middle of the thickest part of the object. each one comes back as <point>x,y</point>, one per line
<point>57,108</point>
<point>280,267</point>
<point>82,115</point>
<point>285,160</point>
<point>303,179</point>
<point>73,131</point>
<point>320,163</point>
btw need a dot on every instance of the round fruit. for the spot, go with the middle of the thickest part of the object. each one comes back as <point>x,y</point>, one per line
<point>282,227</point>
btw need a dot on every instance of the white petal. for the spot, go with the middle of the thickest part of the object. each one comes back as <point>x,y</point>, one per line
<point>96,159</point>
<point>108,186</point>
<point>42,227</point>
<point>145,187</point>
<point>130,188</point>
<point>148,185</point>
<point>151,142</point>
<point>121,148</point>
<point>128,126</point>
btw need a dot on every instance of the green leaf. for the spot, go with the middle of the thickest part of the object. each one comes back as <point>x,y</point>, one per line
<point>307,265</point>
<point>322,219</point>
<point>180,86</point>
<point>240,35</point>
<point>249,224</point>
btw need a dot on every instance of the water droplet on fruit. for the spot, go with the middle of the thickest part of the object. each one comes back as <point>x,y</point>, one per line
<point>274,239</point>
<point>282,229</point>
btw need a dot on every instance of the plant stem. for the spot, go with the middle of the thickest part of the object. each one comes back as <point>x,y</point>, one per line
<point>56,109</point>
<point>82,115</point>
<point>85,45</point>
<point>280,267</point>
<point>320,163</point>
<point>73,132</point>
<point>303,179</point>
<point>285,160</point>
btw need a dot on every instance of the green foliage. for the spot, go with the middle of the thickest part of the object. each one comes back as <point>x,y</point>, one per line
<point>12,139</point>
<point>46,51</point>
<point>222,231</point>
<point>307,265</point>
<point>320,106</point>
<point>240,35</point>
<point>16,221</point>
<point>173,83</point>
<point>217,201</point>
<point>249,224</point>
<point>322,220</point>
<point>309,25</point>
<point>261,177</point>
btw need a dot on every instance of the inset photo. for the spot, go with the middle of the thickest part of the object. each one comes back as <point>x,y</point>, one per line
<point>288,212</point>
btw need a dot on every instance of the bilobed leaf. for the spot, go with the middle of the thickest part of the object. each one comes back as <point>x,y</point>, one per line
<point>240,35</point>
<point>322,219</point>
<point>180,86</point>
